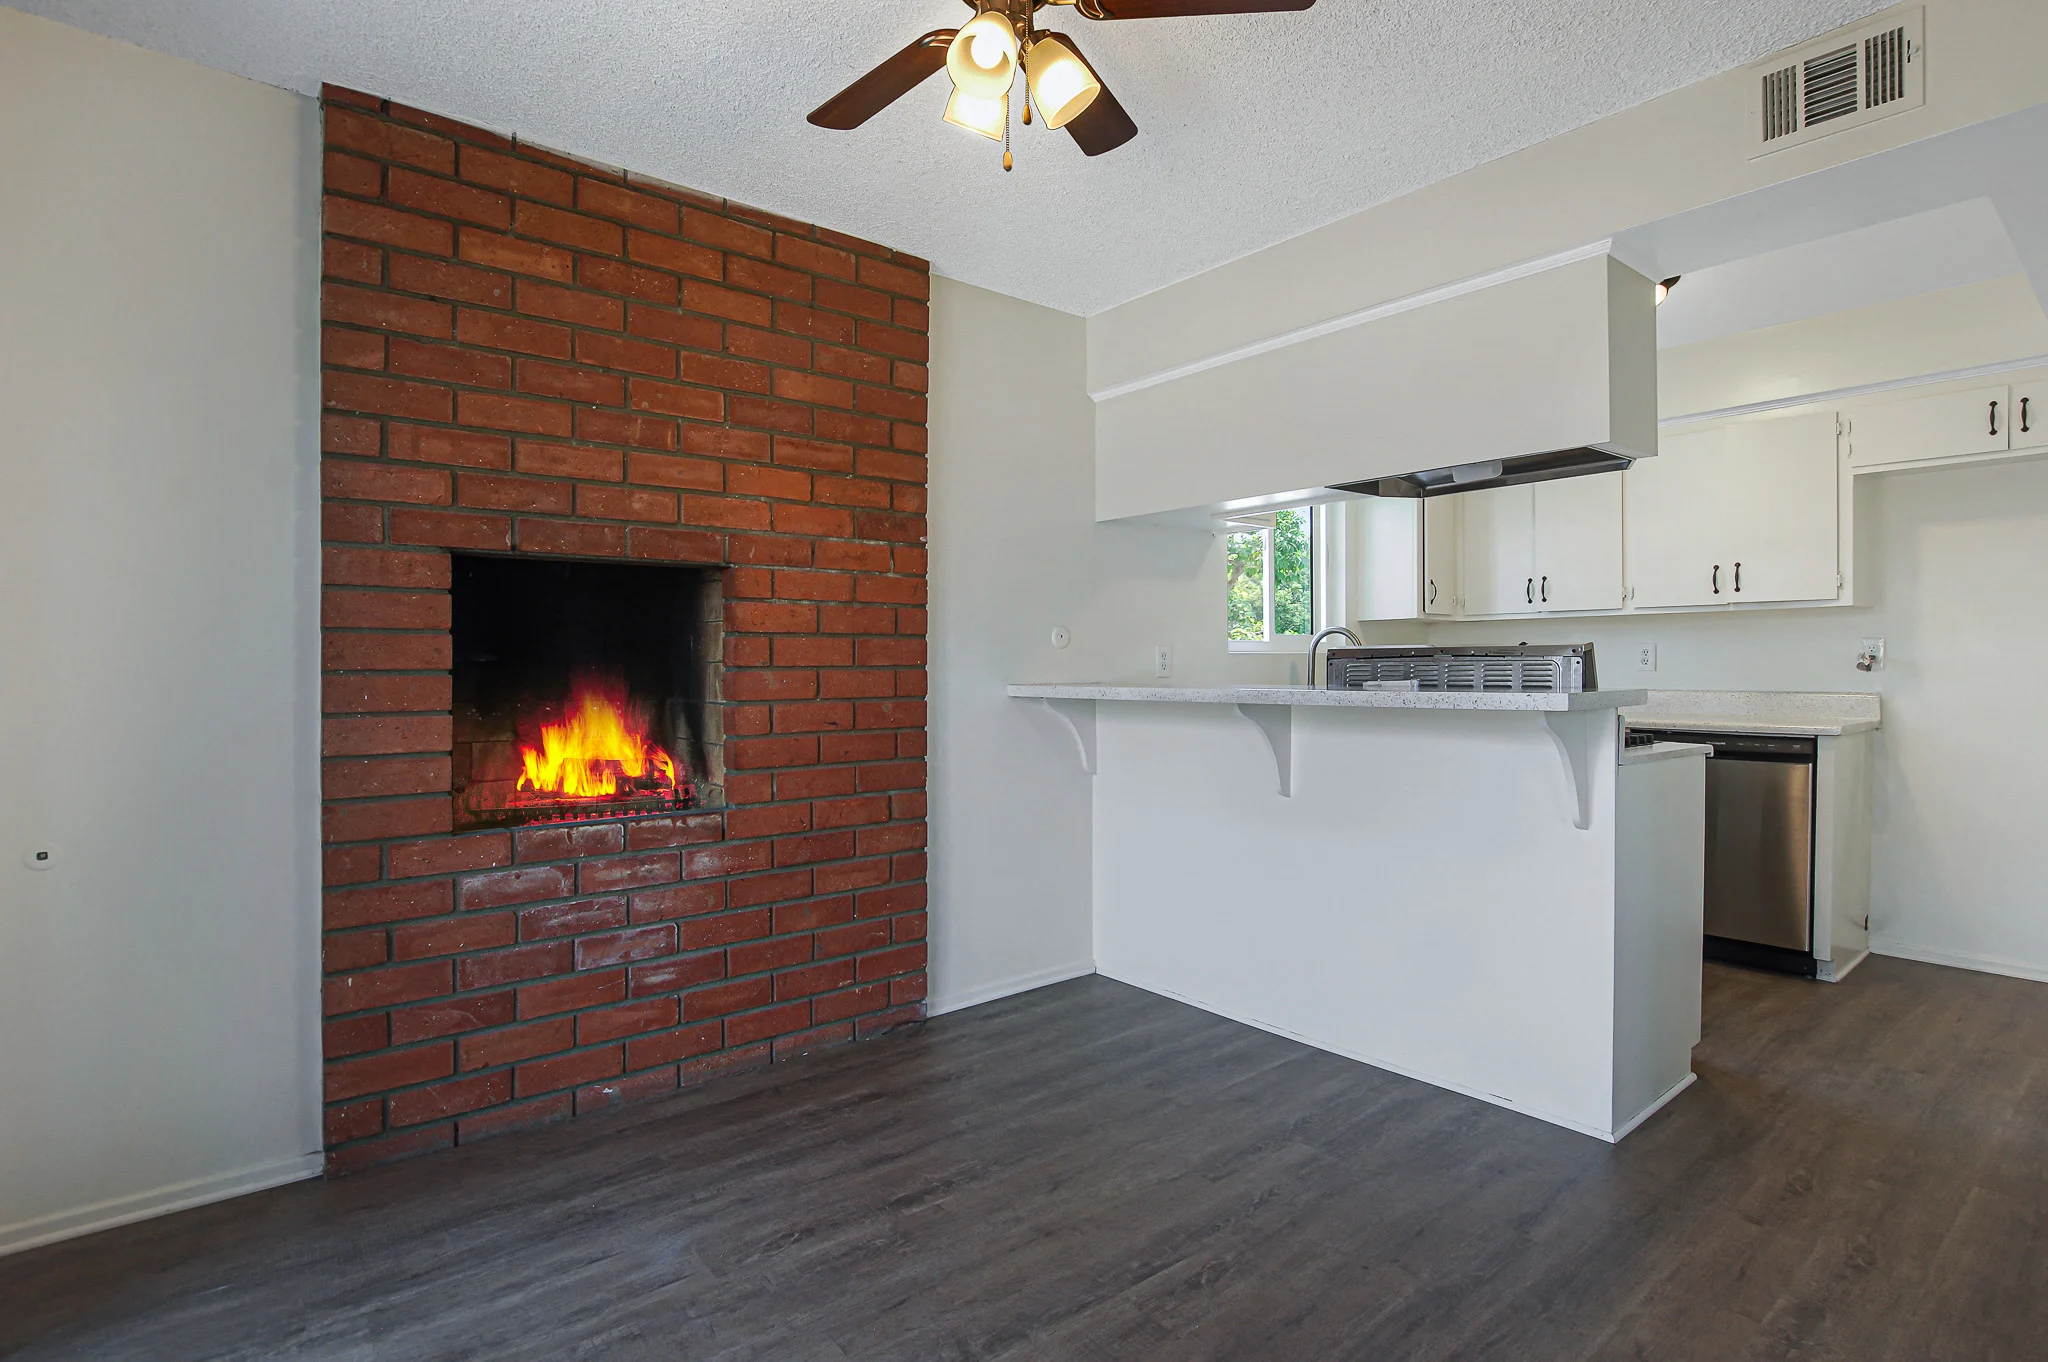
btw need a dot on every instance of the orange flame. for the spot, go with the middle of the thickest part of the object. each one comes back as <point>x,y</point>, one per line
<point>596,751</point>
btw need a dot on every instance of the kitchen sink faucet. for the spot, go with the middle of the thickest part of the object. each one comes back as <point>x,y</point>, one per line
<point>1356,642</point>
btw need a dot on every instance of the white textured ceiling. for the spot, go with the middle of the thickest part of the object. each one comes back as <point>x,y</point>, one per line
<point>1943,248</point>
<point>1252,128</point>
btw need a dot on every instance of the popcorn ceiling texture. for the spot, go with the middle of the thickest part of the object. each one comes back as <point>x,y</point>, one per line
<point>1252,128</point>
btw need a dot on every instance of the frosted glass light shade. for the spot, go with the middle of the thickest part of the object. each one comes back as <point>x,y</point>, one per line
<point>983,57</point>
<point>985,116</point>
<point>1061,82</point>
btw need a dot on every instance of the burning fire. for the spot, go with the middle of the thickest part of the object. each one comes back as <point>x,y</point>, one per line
<point>600,750</point>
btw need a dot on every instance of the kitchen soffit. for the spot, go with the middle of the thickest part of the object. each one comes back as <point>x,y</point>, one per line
<point>1253,128</point>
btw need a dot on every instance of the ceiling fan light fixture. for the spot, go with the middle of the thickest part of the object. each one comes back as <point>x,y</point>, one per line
<point>1061,83</point>
<point>983,57</point>
<point>985,116</point>
<point>1664,287</point>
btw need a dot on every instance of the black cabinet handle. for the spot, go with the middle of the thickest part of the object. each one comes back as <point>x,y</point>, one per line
<point>1994,420</point>
<point>1738,576</point>
<point>1529,591</point>
<point>1717,579</point>
<point>2024,427</point>
<point>1432,591</point>
<point>1546,588</point>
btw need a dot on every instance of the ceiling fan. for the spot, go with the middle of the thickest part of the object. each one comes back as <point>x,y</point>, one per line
<point>984,54</point>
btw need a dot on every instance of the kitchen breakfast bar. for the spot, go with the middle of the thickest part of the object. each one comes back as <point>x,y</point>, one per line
<point>1483,890</point>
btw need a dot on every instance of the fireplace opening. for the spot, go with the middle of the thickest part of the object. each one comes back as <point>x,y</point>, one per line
<point>584,691</point>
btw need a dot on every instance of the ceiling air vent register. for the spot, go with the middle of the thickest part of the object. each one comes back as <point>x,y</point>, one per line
<point>1835,83</point>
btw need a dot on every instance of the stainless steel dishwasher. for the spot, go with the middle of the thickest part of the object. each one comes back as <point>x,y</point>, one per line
<point>1759,892</point>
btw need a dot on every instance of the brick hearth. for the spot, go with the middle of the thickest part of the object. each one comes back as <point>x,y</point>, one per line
<point>524,353</point>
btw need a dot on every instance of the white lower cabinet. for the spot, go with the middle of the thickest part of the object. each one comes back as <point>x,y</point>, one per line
<point>1744,513</point>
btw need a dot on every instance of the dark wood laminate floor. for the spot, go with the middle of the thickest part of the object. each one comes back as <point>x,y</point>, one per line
<point>1089,1172</point>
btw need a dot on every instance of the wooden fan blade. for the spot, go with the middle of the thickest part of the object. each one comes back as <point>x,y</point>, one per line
<point>886,84</point>
<point>1103,125</point>
<point>1182,9</point>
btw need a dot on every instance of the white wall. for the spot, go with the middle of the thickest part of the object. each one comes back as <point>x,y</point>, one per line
<point>1991,322</point>
<point>1015,551</point>
<point>1673,154</point>
<point>158,987</point>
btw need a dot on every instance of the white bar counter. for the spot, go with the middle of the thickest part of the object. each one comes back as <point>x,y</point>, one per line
<point>1473,889</point>
<point>1545,702</point>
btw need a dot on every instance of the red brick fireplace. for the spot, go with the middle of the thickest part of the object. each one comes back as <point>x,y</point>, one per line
<point>527,355</point>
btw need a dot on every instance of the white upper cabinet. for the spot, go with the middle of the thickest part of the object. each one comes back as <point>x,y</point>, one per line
<point>1497,562</point>
<point>1440,556</point>
<point>1578,542</point>
<point>1952,425</point>
<point>1406,556</point>
<point>2030,415</point>
<point>1745,513</point>
<point>1783,540</point>
<point>1671,512</point>
<point>1541,546</point>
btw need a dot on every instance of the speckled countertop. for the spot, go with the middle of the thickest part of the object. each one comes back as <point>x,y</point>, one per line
<point>1526,701</point>
<point>1811,714</point>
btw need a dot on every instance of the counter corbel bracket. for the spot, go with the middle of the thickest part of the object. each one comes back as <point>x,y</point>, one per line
<point>1576,733</point>
<point>1079,717</point>
<point>1276,724</point>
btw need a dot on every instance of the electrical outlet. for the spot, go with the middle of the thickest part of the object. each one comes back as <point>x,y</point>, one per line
<point>1871,658</point>
<point>1646,657</point>
<point>1162,661</point>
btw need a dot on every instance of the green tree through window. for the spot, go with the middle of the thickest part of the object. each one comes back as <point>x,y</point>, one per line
<point>1247,565</point>
<point>1292,606</point>
<point>1269,587</point>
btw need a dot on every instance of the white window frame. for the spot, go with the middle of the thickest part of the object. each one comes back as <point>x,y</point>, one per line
<point>1326,576</point>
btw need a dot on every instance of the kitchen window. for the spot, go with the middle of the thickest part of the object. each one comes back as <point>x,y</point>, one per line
<point>1280,578</point>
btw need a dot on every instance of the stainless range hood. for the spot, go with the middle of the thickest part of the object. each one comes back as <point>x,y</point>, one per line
<point>1506,472</point>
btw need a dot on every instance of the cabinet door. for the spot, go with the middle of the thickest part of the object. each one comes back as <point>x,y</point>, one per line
<point>1578,542</point>
<point>1782,539</point>
<point>1385,549</point>
<point>1497,571</point>
<point>2029,415</point>
<point>1672,520</point>
<point>1944,426</point>
<point>1440,556</point>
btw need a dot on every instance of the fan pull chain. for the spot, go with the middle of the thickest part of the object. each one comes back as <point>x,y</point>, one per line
<point>1006,136</point>
<point>1025,55</point>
